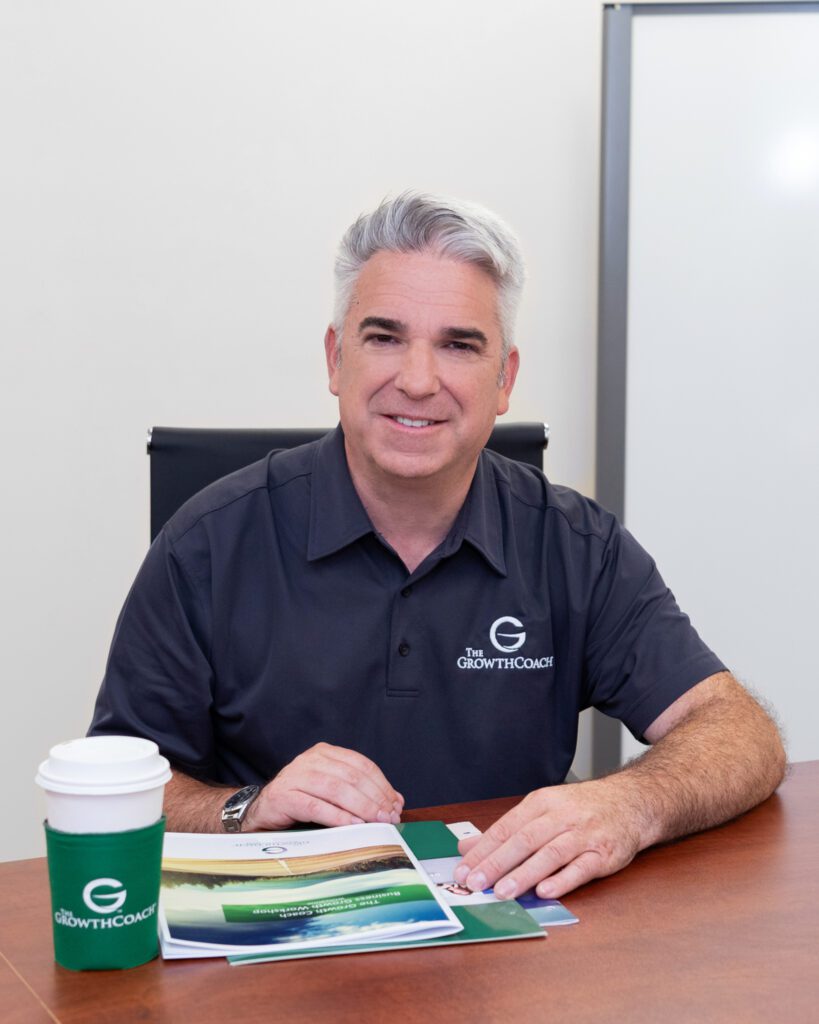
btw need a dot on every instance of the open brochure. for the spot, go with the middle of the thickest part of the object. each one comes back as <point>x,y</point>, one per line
<point>251,893</point>
<point>273,896</point>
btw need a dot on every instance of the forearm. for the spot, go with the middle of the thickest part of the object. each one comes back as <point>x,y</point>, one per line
<point>716,754</point>
<point>724,757</point>
<point>192,806</point>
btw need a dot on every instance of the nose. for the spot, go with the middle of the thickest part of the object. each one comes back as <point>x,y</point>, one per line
<point>417,375</point>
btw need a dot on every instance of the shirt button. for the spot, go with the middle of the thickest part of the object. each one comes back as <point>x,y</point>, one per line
<point>403,649</point>
<point>406,592</point>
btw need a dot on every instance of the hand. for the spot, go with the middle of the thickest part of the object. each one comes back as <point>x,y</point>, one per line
<point>555,839</point>
<point>329,786</point>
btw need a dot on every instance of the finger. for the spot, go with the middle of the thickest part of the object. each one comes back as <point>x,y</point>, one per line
<point>373,799</point>
<point>338,776</point>
<point>511,839</point>
<point>543,864</point>
<point>465,845</point>
<point>534,848</point>
<point>480,846</point>
<point>343,780</point>
<point>349,796</point>
<point>582,869</point>
<point>360,771</point>
<point>311,808</point>
<point>279,808</point>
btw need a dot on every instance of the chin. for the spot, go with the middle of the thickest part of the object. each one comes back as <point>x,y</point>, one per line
<point>406,467</point>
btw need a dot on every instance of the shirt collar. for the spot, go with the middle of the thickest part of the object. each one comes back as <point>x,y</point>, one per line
<point>337,517</point>
<point>484,522</point>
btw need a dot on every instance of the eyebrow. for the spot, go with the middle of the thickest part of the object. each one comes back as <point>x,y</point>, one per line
<point>465,334</point>
<point>396,326</point>
<point>399,327</point>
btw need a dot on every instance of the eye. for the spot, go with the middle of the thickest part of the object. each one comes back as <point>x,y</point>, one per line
<point>461,346</point>
<point>381,339</point>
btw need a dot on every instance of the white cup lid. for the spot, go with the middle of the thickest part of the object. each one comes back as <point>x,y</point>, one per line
<point>100,765</point>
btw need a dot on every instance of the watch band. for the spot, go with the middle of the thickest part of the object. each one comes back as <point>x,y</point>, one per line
<point>236,807</point>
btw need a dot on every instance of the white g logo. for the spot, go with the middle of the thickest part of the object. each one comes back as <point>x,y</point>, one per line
<point>108,901</point>
<point>513,641</point>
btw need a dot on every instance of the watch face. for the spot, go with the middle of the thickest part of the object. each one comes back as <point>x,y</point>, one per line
<point>241,797</point>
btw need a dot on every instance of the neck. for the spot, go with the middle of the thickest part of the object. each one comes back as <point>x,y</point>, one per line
<point>413,515</point>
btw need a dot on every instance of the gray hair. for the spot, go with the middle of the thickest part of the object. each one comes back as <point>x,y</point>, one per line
<point>417,222</point>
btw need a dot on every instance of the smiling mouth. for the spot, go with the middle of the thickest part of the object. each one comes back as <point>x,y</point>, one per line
<point>406,421</point>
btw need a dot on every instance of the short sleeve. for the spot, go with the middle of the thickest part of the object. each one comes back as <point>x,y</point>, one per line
<point>642,652</point>
<point>158,680</point>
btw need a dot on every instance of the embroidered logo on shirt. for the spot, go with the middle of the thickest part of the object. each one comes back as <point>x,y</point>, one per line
<point>507,642</point>
<point>506,635</point>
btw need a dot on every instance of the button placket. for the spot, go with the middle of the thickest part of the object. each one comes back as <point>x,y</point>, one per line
<point>402,679</point>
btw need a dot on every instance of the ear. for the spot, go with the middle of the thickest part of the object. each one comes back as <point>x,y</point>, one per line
<point>331,352</point>
<point>510,372</point>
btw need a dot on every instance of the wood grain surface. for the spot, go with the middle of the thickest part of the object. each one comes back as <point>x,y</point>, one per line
<point>722,926</point>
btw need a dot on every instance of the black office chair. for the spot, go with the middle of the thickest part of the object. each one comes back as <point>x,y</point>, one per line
<point>186,459</point>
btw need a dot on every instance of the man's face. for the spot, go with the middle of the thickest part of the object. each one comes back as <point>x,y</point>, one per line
<point>419,383</point>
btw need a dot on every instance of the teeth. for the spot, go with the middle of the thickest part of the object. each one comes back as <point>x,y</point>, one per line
<point>405,422</point>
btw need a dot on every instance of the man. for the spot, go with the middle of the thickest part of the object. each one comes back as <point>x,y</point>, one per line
<point>393,610</point>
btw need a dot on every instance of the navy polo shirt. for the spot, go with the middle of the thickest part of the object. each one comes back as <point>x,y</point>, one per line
<point>269,615</point>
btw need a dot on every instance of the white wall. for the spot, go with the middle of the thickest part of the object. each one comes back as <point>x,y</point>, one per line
<point>174,179</point>
<point>722,436</point>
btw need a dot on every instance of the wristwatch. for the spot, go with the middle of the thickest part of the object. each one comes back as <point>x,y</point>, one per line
<point>236,807</point>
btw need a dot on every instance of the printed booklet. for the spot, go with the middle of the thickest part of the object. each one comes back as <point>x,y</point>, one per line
<point>248,893</point>
<point>360,888</point>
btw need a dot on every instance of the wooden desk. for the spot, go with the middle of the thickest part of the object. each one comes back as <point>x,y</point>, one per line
<point>723,926</point>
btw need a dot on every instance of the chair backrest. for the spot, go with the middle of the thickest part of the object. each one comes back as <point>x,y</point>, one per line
<point>184,460</point>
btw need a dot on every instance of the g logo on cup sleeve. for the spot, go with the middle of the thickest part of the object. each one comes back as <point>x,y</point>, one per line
<point>104,902</point>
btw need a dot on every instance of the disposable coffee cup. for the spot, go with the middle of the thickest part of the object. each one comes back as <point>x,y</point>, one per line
<point>104,832</point>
